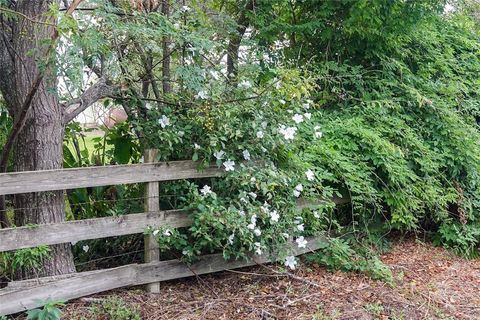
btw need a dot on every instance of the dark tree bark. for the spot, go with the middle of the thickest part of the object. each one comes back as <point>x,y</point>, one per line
<point>39,144</point>
<point>166,53</point>
<point>236,39</point>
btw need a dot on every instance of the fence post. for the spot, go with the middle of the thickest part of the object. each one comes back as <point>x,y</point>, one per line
<point>152,204</point>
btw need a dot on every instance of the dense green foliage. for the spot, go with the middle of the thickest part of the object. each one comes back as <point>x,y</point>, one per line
<point>401,131</point>
<point>386,97</point>
<point>372,100</point>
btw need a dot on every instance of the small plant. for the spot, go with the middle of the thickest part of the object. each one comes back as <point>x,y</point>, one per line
<point>115,308</point>
<point>321,315</point>
<point>375,309</point>
<point>338,254</point>
<point>463,239</point>
<point>27,259</point>
<point>50,311</point>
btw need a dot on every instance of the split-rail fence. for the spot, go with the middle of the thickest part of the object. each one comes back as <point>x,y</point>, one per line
<point>27,294</point>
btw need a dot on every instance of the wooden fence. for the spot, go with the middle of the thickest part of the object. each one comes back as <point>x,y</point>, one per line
<point>22,295</point>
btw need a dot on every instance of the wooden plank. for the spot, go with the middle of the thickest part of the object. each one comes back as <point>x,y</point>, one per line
<point>73,231</point>
<point>66,289</point>
<point>63,179</point>
<point>152,204</point>
<point>81,284</point>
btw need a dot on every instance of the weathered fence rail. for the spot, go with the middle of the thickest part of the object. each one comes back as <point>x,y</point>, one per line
<point>73,231</point>
<point>64,179</point>
<point>23,295</point>
<point>83,284</point>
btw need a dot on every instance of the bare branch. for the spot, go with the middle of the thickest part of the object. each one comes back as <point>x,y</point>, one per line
<point>10,11</point>
<point>100,90</point>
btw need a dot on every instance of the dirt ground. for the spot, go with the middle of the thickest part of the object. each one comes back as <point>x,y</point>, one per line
<point>430,283</point>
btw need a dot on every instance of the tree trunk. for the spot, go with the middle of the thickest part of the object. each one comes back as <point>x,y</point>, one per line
<point>166,78</point>
<point>236,40</point>
<point>39,145</point>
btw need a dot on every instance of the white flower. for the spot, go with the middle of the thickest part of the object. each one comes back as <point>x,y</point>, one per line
<point>301,227</point>
<point>274,216</point>
<point>155,232</point>
<point>290,262</point>
<point>310,175</point>
<point>230,238</point>
<point>252,179</point>
<point>246,155</point>
<point>164,121</point>
<point>229,165</point>
<point>298,190</point>
<point>215,75</point>
<point>260,134</point>
<point>264,124</point>
<point>288,133</point>
<point>257,232</point>
<point>290,111</point>
<point>85,248</point>
<point>282,101</point>
<point>176,25</point>
<point>301,242</point>
<point>307,115</point>
<point>316,128</point>
<point>185,9</point>
<point>253,222</point>
<point>196,146</point>
<point>167,232</point>
<point>316,214</point>
<point>258,249</point>
<point>202,95</point>
<point>306,106</point>
<point>219,154</point>
<point>318,134</point>
<point>241,212</point>
<point>206,190</point>
<point>263,149</point>
<point>245,84</point>
<point>264,208</point>
<point>298,118</point>
<point>253,195</point>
